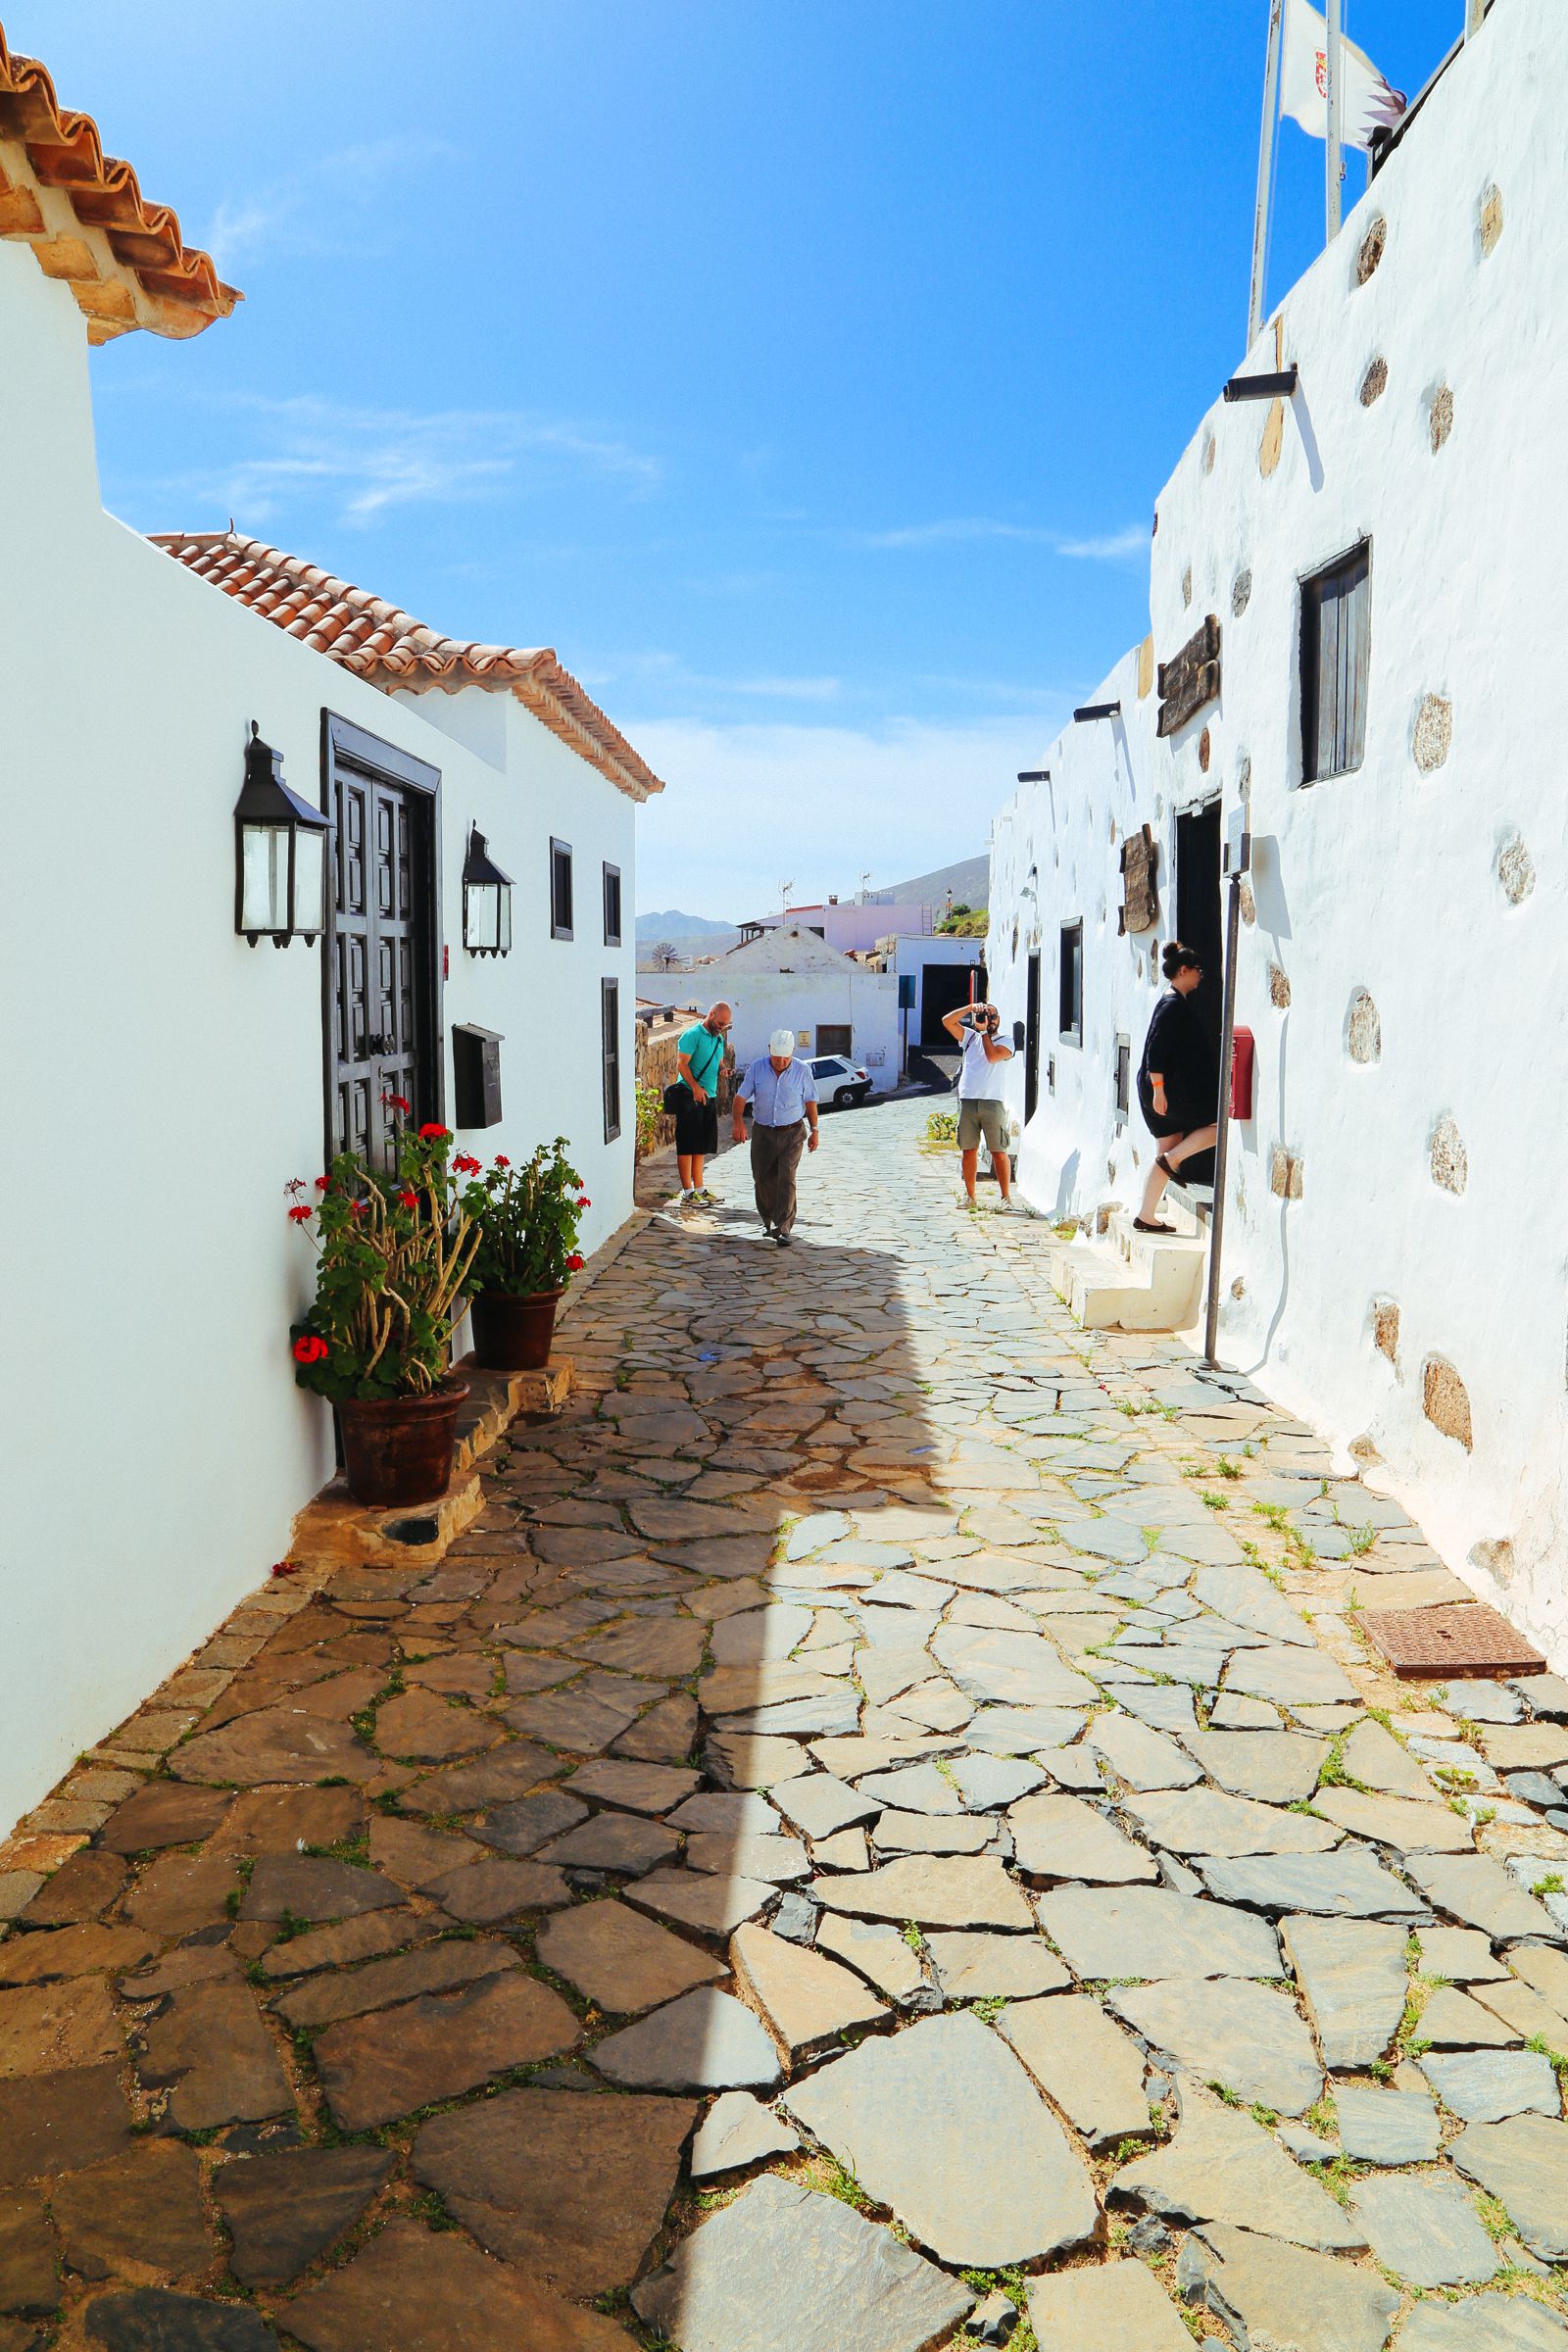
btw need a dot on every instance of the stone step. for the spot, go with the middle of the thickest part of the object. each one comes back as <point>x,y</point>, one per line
<point>1131,1281</point>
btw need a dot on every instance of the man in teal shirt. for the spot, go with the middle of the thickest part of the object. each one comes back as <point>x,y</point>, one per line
<point>701,1053</point>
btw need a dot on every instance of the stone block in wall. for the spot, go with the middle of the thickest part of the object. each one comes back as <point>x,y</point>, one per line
<point>1373,247</point>
<point>1450,1165</point>
<point>1439,416</point>
<point>1386,1328</point>
<point>1279,989</point>
<point>1516,869</point>
<point>1145,668</point>
<point>1363,1029</point>
<point>1375,383</point>
<point>1446,1400</point>
<point>1285,1174</point>
<point>1434,733</point>
<point>1490,221</point>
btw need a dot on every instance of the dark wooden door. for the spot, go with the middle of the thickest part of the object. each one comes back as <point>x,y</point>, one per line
<point>381,958</point>
<point>1031,1040</point>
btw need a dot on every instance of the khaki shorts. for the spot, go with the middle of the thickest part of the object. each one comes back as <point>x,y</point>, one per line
<point>982,1118</point>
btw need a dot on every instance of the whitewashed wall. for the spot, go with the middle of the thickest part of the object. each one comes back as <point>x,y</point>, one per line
<point>1404,880</point>
<point>868,1001</point>
<point>164,1080</point>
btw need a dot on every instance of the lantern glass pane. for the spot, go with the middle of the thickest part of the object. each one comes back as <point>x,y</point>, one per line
<point>264,879</point>
<point>504,920</point>
<point>482,918</point>
<point>309,881</point>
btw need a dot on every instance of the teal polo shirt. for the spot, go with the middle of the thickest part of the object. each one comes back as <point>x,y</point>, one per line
<point>704,1051</point>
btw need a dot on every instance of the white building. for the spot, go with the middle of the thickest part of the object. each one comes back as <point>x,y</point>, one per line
<point>852,927</point>
<point>1375,563</point>
<point>165,1079</point>
<point>790,979</point>
<point>936,972</point>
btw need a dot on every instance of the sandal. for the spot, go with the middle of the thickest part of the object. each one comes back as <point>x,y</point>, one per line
<point>1139,1226</point>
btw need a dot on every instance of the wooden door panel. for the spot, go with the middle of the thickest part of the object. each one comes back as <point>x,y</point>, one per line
<point>383,953</point>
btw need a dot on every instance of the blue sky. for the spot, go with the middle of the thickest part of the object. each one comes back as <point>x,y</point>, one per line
<point>804,375</point>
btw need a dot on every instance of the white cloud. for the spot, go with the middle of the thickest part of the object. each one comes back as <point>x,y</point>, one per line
<point>957,531</point>
<point>746,806</point>
<point>363,462</point>
<point>951,532</point>
<point>1133,541</point>
<point>320,207</point>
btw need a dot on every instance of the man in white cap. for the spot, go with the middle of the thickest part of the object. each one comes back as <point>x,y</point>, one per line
<point>782,1094</point>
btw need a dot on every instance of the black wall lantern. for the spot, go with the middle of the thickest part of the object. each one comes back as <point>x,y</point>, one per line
<point>279,854</point>
<point>486,901</point>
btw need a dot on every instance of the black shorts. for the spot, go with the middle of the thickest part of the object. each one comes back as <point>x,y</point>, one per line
<point>696,1127</point>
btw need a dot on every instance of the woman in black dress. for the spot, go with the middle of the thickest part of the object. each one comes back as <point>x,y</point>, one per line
<point>1178,1081</point>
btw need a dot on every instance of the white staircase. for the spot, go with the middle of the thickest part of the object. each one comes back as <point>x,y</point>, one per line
<point>1131,1281</point>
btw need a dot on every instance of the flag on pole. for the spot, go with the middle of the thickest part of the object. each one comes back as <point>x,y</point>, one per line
<point>1368,102</point>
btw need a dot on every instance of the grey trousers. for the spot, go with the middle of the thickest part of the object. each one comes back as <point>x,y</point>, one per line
<point>775,1157</point>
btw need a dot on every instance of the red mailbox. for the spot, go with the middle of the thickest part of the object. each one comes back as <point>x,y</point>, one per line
<point>1242,1074</point>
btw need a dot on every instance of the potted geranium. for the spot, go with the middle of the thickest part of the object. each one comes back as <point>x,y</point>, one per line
<point>392,1257</point>
<point>526,1219</point>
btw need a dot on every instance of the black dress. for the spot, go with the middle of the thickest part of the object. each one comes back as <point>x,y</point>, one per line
<point>1178,1045</point>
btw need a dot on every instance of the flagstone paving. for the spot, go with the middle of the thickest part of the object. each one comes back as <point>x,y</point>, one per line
<point>883,1835</point>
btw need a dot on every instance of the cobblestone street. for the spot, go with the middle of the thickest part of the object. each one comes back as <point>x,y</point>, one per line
<point>887,1820</point>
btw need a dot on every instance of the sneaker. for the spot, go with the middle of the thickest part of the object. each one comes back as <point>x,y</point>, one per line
<point>705,1199</point>
<point>784,1239</point>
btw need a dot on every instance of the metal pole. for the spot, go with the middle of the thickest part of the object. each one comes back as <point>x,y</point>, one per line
<point>1334,165</point>
<point>1227,1042</point>
<point>1265,173</point>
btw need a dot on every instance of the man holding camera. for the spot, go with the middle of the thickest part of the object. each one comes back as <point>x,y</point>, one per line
<point>974,1029</point>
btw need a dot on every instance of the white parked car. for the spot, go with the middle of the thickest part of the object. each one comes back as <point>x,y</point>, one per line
<point>838,1081</point>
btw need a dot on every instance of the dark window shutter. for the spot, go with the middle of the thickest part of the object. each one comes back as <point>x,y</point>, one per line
<point>610,1015</point>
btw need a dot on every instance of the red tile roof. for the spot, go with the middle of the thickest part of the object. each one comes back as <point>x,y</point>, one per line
<point>388,647</point>
<point>88,222</point>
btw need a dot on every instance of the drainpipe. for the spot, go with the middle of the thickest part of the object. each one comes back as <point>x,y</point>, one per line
<point>1237,860</point>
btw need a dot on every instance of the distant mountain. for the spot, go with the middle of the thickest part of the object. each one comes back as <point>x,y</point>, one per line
<point>969,882</point>
<point>672,925</point>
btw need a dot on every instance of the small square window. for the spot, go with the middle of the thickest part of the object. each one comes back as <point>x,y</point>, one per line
<point>1336,656</point>
<point>833,1037</point>
<point>612,906</point>
<point>1070,1021</point>
<point>561,890</point>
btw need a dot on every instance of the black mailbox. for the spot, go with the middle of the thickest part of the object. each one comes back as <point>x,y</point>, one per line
<point>1019,1037</point>
<point>477,1076</point>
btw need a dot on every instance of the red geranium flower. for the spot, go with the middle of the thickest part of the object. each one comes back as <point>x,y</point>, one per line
<point>584,1201</point>
<point>308,1348</point>
<point>395,1102</point>
<point>322,1184</point>
<point>359,1208</point>
<point>285,1568</point>
<point>575,1263</point>
<point>301,1213</point>
<point>296,1184</point>
<point>502,1161</point>
<point>431,1133</point>
<point>464,1165</point>
<point>408,1199</point>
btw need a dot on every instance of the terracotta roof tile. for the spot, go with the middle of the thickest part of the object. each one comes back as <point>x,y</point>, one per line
<point>87,221</point>
<point>385,645</point>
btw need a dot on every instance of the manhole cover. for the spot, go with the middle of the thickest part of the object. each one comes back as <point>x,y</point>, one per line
<point>1466,1639</point>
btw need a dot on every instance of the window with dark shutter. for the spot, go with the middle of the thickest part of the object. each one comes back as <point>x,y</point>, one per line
<point>1071,989</point>
<point>612,906</point>
<point>610,1019</point>
<point>561,890</point>
<point>1336,653</point>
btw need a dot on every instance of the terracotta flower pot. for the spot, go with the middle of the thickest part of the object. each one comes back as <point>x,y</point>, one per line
<point>399,1449</point>
<point>515,1335</point>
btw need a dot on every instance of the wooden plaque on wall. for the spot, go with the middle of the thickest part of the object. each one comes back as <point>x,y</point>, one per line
<point>1191,680</point>
<point>1140,906</point>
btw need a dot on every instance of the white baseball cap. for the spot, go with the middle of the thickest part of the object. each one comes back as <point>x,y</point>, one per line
<point>782,1041</point>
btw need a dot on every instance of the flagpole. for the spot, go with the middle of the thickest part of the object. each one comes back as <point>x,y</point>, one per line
<point>1265,173</point>
<point>1474,10</point>
<point>1333,63</point>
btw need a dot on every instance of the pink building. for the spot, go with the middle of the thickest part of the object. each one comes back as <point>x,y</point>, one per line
<point>853,928</point>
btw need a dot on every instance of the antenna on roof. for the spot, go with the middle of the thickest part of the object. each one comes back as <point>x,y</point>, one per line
<point>784,890</point>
